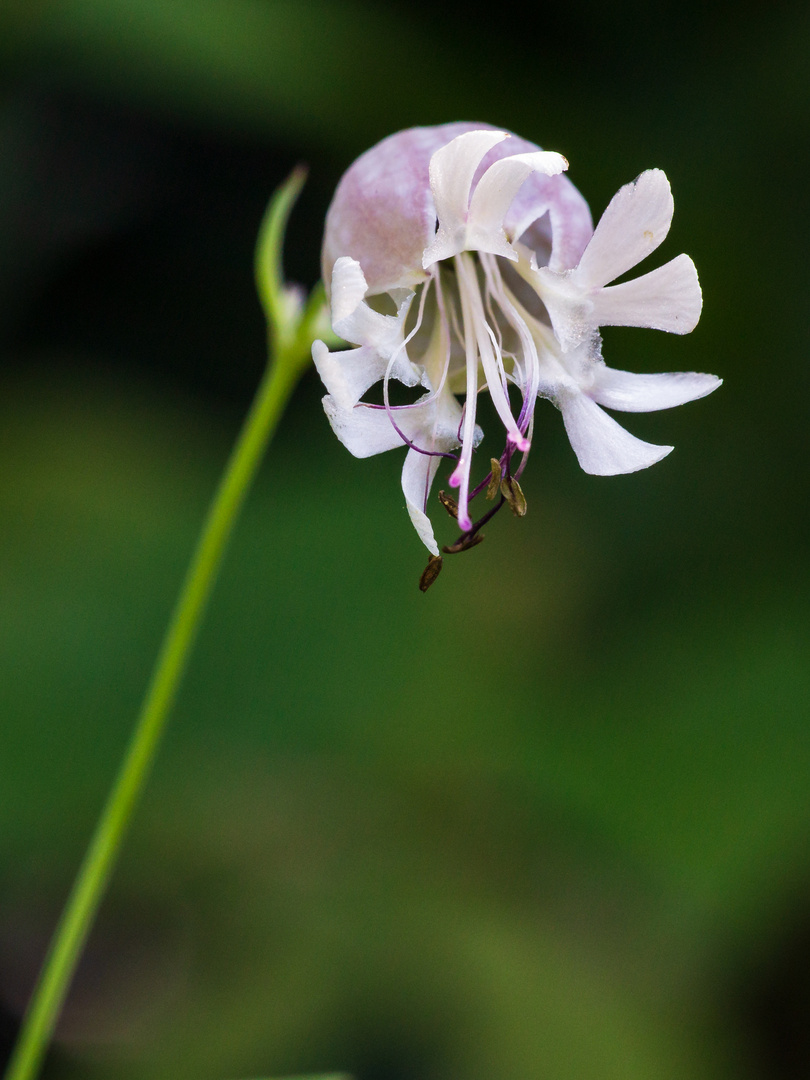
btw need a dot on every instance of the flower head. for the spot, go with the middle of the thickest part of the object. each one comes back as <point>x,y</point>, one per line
<point>459,258</point>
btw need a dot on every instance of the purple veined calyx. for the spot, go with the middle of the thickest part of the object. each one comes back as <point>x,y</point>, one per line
<point>460,259</point>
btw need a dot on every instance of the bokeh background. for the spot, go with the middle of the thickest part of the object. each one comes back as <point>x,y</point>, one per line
<point>550,819</point>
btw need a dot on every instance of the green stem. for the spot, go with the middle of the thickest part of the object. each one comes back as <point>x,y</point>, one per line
<point>88,889</point>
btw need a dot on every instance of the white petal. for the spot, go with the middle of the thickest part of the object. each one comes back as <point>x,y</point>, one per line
<point>551,217</point>
<point>668,298</point>
<point>569,307</point>
<point>362,430</point>
<point>354,320</point>
<point>495,192</point>
<point>431,423</point>
<point>347,375</point>
<point>627,392</point>
<point>348,288</point>
<point>602,446</point>
<point>417,476</point>
<point>451,175</point>
<point>634,224</point>
<point>383,213</point>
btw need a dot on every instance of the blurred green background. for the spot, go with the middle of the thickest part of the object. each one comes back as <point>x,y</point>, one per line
<point>550,819</point>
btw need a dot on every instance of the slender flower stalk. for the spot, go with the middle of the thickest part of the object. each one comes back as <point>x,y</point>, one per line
<point>513,284</point>
<point>292,325</point>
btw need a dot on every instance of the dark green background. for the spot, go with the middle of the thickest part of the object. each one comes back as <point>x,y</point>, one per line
<point>549,820</point>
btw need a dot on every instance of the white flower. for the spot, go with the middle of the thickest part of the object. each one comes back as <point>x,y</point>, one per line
<point>496,280</point>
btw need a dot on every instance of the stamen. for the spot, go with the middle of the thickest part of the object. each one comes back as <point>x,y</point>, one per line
<point>402,347</point>
<point>452,321</point>
<point>524,459</point>
<point>467,541</point>
<point>444,328</point>
<point>541,343</point>
<point>390,409</point>
<point>475,324</point>
<point>495,479</point>
<point>472,536</point>
<point>460,476</point>
<point>450,505</point>
<point>513,493</point>
<point>430,573</point>
<point>439,329</point>
<point>531,366</point>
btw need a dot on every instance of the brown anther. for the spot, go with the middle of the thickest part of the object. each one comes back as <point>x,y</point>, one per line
<point>464,544</point>
<point>450,505</point>
<point>511,491</point>
<point>430,573</point>
<point>495,479</point>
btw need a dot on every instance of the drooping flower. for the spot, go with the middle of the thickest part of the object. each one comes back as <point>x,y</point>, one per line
<point>459,258</point>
